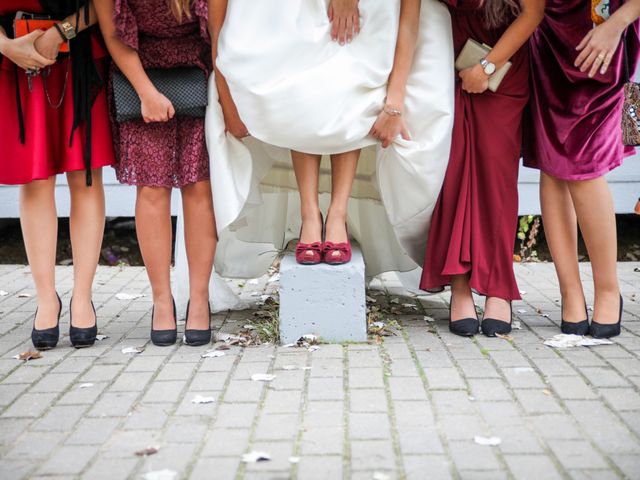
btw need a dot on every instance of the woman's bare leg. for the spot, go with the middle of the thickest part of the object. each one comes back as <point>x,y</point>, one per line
<point>561,233</point>
<point>153,226</point>
<point>86,225</point>
<point>462,305</point>
<point>343,172</point>
<point>39,222</point>
<point>200,239</point>
<point>596,216</point>
<point>307,169</point>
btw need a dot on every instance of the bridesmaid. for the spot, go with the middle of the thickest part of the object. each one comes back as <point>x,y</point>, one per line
<point>577,95</point>
<point>470,246</point>
<point>164,151</point>
<point>55,120</point>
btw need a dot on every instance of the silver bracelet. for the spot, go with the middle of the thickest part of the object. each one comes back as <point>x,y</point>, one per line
<point>392,112</point>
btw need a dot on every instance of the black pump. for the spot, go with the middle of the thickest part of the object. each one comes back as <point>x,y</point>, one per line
<point>48,338</point>
<point>601,330</point>
<point>83,337</point>
<point>196,338</point>
<point>465,327</point>
<point>493,327</point>
<point>164,338</point>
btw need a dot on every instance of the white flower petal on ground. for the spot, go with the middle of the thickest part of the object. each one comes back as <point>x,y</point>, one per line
<point>313,348</point>
<point>563,340</point>
<point>522,310</point>
<point>249,327</point>
<point>129,296</point>
<point>294,459</point>
<point>101,337</point>
<point>160,475</point>
<point>132,350</point>
<point>3,293</point>
<point>487,441</point>
<point>213,354</point>
<point>380,476</point>
<point>254,456</point>
<point>288,367</point>
<point>199,399</point>
<point>262,377</point>
<point>85,385</point>
<point>516,325</point>
<point>428,319</point>
<point>253,281</point>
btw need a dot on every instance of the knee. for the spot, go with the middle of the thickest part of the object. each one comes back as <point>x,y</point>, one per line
<point>77,181</point>
<point>198,193</point>
<point>38,189</point>
<point>157,198</point>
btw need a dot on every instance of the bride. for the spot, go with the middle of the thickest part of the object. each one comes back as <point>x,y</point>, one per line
<point>282,78</point>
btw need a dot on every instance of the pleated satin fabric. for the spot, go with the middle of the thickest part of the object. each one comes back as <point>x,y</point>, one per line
<point>296,89</point>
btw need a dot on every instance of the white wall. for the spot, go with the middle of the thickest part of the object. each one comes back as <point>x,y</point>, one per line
<point>624,181</point>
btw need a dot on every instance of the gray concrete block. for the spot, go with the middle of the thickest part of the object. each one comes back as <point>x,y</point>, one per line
<point>325,300</point>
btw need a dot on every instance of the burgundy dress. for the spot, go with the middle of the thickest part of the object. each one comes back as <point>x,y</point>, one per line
<point>573,131</point>
<point>474,222</point>
<point>49,148</point>
<point>173,153</point>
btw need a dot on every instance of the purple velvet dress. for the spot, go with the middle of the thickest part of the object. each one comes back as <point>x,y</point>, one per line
<point>173,153</point>
<point>573,130</point>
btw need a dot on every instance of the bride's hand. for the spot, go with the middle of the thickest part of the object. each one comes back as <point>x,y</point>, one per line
<point>597,48</point>
<point>232,121</point>
<point>387,128</point>
<point>345,20</point>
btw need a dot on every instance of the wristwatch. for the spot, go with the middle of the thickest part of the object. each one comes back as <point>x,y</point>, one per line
<point>65,29</point>
<point>488,67</point>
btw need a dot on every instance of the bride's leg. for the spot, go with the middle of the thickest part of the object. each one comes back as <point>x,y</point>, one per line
<point>343,171</point>
<point>307,169</point>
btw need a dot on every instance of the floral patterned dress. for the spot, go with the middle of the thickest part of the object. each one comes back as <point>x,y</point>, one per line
<point>162,154</point>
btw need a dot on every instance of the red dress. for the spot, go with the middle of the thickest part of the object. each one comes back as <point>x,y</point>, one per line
<point>474,222</point>
<point>47,149</point>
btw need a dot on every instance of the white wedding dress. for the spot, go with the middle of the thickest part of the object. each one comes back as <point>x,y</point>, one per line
<point>296,89</point>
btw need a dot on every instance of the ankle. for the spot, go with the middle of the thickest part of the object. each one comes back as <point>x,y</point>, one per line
<point>337,214</point>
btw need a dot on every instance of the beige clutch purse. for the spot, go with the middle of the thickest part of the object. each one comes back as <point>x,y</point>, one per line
<point>472,53</point>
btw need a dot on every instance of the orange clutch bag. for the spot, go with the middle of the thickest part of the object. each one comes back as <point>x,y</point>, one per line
<point>27,23</point>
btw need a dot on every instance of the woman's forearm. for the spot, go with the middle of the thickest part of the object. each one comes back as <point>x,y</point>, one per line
<point>126,58</point>
<point>628,13</point>
<point>405,51</point>
<point>518,32</point>
<point>82,25</point>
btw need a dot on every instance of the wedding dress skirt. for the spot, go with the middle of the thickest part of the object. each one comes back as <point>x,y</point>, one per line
<point>297,89</point>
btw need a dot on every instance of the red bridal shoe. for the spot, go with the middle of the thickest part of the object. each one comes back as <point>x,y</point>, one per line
<point>310,253</point>
<point>337,253</point>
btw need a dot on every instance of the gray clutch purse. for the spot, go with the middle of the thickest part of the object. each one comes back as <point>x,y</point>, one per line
<point>185,87</point>
<point>472,53</point>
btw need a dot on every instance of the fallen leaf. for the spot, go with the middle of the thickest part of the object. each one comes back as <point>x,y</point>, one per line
<point>508,338</point>
<point>249,327</point>
<point>371,299</point>
<point>132,350</point>
<point>516,325</point>
<point>262,377</point>
<point>413,306</point>
<point>129,296</point>
<point>199,399</point>
<point>428,319</point>
<point>253,457</point>
<point>85,385</point>
<point>223,347</point>
<point>147,451</point>
<point>28,355</point>
<point>547,392</point>
<point>161,475</point>
<point>487,441</point>
<point>395,301</point>
<point>212,354</point>
<point>101,337</point>
<point>563,340</point>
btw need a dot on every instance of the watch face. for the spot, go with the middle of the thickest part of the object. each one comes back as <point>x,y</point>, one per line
<point>489,68</point>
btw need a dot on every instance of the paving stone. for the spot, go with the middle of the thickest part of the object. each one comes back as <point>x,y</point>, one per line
<point>110,468</point>
<point>577,454</point>
<point>30,405</point>
<point>372,455</point>
<point>532,467</point>
<point>225,468</point>
<point>226,441</point>
<point>438,467</point>
<point>368,400</point>
<point>320,467</point>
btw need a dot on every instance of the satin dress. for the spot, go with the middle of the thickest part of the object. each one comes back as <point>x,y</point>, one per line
<point>474,224</point>
<point>573,130</point>
<point>297,89</point>
<point>49,148</point>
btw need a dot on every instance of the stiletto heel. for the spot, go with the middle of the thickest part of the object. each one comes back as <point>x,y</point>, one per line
<point>492,327</point>
<point>464,327</point>
<point>574,328</point>
<point>47,338</point>
<point>343,249</point>
<point>310,253</point>
<point>602,330</point>
<point>196,338</point>
<point>82,337</point>
<point>164,338</point>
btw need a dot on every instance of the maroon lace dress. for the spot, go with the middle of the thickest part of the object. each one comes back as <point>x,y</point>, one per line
<point>173,153</point>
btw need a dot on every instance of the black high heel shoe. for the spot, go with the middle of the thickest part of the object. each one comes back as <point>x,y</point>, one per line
<point>493,327</point>
<point>601,330</point>
<point>47,338</point>
<point>164,338</point>
<point>574,328</point>
<point>464,327</point>
<point>196,338</point>
<point>83,337</point>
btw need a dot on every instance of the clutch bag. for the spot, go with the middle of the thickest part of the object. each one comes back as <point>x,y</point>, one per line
<point>185,87</point>
<point>470,56</point>
<point>631,108</point>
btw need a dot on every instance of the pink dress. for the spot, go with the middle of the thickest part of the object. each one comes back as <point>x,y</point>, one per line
<point>573,131</point>
<point>173,153</point>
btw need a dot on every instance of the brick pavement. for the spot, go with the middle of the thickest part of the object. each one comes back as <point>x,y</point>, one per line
<point>408,407</point>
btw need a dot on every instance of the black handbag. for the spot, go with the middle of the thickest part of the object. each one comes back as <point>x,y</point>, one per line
<point>185,87</point>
